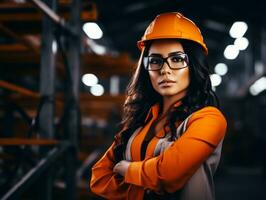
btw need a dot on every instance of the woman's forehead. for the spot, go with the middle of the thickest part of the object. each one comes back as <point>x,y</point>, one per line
<point>165,46</point>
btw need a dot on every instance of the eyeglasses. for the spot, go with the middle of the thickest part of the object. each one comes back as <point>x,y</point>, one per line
<point>174,61</point>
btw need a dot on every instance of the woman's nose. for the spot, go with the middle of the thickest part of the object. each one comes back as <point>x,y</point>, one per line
<point>165,68</point>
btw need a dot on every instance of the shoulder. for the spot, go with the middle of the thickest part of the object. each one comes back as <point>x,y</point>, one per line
<point>208,123</point>
<point>209,112</point>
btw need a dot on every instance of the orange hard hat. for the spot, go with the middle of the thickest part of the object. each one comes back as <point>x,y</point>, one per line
<point>172,25</point>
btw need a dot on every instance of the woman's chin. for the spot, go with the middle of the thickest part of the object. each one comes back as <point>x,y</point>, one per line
<point>167,93</point>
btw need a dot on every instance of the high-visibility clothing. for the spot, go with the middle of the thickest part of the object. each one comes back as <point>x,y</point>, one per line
<point>170,170</point>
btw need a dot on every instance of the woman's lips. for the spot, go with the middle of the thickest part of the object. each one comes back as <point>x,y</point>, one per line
<point>166,83</point>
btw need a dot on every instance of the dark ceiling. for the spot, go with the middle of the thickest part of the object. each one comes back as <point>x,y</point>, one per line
<point>124,21</point>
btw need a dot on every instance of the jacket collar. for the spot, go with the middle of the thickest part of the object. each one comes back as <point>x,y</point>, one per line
<point>155,108</point>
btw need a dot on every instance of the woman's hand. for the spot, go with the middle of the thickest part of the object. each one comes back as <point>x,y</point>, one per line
<point>121,167</point>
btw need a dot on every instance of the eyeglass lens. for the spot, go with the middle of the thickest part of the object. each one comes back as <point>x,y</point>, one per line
<point>177,61</point>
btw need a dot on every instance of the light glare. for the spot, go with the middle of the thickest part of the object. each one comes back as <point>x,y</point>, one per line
<point>54,46</point>
<point>100,50</point>
<point>89,79</point>
<point>97,48</point>
<point>231,52</point>
<point>221,69</point>
<point>258,86</point>
<point>92,30</point>
<point>215,80</point>
<point>241,43</point>
<point>238,29</point>
<point>97,90</point>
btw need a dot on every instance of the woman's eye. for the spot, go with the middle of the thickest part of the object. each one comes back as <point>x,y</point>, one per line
<point>155,61</point>
<point>177,59</point>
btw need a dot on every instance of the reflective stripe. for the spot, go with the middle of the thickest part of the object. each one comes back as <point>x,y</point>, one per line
<point>129,143</point>
<point>158,146</point>
<point>180,129</point>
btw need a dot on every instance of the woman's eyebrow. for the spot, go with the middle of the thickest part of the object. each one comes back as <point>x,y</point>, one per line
<point>175,52</point>
<point>156,54</point>
<point>169,54</point>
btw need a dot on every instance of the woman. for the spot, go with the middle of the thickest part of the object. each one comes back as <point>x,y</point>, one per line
<point>170,144</point>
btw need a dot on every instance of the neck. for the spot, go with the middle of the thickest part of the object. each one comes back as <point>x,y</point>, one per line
<point>168,101</point>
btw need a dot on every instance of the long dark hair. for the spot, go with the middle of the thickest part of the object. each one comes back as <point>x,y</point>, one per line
<point>141,95</point>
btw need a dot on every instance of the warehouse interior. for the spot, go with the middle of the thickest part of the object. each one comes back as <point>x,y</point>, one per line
<point>64,70</point>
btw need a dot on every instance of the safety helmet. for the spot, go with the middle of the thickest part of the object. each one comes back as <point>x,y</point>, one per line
<point>172,25</point>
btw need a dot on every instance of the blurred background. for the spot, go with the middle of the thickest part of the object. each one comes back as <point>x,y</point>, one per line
<point>64,68</point>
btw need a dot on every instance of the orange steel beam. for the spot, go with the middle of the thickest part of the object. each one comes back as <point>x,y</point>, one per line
<point>25,91</point>
<point>18,89</point>
<point>22,141</point>
<point>18,38</point>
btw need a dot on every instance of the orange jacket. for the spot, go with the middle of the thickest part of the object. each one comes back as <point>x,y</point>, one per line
<point>170,170</point>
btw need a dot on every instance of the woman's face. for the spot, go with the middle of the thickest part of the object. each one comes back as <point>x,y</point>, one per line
<point>166,81</point>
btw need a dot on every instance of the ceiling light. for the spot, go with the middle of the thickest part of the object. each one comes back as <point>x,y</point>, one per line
<point>221,69</point>
<point>259,67</point>
<point>238,29</point>
<point>96,48</point>
<point>97,90</point>
<point>231,52</point>
<point>92,30</point>
<point>241,43</point>
<point>89,79</point>
<point>54,46</point>
<point>215,80</point>
<point>258,86</point>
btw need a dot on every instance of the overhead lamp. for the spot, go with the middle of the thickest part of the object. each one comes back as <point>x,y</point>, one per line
<point>231,52</point>
<point>92,30</point>
<point>89,79</point>
<point>258,86</point>
<point>238,29</point>
<point>97,90</point>
<point>259,67</point>
<point>97,48</point>
<point>114,85</point>
<point>54,46</point>
<point>215,80</point>
<point>221,69</point>
<point>241,43</point>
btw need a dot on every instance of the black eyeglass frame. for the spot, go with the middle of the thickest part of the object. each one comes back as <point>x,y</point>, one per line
<point>146,61</point>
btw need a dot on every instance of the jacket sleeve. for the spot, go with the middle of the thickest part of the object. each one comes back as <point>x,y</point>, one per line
<point>171,170</point>
<point>104,182</point>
